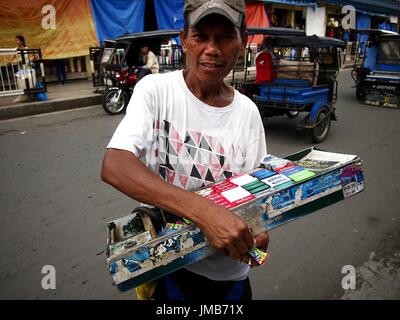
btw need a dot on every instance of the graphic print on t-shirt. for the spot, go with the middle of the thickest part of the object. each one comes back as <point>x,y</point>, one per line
<point>194,160</point>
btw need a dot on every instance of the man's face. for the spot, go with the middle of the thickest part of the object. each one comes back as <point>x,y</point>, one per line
<point>212,47</point>
<point>144,50</point>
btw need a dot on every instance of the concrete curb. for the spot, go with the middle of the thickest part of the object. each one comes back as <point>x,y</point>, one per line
<point>28,109</point>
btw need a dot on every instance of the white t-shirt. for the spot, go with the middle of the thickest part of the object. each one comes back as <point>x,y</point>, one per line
<point>191,144</point>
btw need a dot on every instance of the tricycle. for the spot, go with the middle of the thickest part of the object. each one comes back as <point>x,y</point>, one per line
<point>129,68</point>
<point>294,73</point>
<point>376,69</point>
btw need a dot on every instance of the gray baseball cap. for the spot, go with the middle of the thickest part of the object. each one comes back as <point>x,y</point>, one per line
<point>234,10</point>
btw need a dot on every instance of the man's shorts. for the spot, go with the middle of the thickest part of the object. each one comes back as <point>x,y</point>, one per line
<point>186,285</point>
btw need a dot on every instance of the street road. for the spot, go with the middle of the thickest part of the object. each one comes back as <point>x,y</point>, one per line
<point>54,209</point>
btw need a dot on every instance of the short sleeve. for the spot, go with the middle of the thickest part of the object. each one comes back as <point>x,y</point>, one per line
<point>257,146</point>
<point>135,131</point>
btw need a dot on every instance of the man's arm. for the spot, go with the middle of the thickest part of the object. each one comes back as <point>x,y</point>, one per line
<point>225,231</point>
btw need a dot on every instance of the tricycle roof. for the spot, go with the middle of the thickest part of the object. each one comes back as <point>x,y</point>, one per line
<point>148,35</point>
<point>377,32</point>
<point>306,41</point>
<point>275,31</point>
<point>108,43</point>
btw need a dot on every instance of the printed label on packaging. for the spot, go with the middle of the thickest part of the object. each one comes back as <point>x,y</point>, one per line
<point>253,185</point>
<point>235,194</point>
<point>320,185</point>
<point>302,175</point>
<point>284,185</point>
<point>225,187</point>
<point>259,189</point>
<point>352,179</point>
<point>274,163</point>
<point>221,184</point>
<point>263,173</point>
<point>285,167</point>
<point>288,172</point>
<point>243,200</point>
<point>352,188</point>
<point>283,199</point>
<point>205,192</point>
<point>244,179</point>
<point>314,164</point>
<point>276,180</point>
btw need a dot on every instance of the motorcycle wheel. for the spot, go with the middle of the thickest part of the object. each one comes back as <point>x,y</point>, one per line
<point>320,132</point>
<point>110,103</point>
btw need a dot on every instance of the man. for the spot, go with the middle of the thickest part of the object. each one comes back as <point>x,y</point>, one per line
<point>192,129</point>
<point>61,73</point>
<point>149,59</point>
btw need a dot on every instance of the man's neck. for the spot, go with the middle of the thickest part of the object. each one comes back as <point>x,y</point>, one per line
<point>213,94</point>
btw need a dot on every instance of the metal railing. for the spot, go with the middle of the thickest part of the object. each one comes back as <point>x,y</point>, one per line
<point>95,59</point>
<point>170,57</point>
<point>21,72</point>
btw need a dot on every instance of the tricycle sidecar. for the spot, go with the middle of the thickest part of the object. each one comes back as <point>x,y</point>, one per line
<point>295,74</point>
<point>376,69</point>
<point>125,67</point>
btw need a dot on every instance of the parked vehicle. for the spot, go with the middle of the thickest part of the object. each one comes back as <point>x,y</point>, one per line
<point>123,73</point>
<point>116,97</point>
<point>376,69</point>
<point>295,74</point>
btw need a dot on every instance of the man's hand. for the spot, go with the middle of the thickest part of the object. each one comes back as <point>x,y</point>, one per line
<point>224,230</point>
<point>227,232</point>
<point>262,241</point>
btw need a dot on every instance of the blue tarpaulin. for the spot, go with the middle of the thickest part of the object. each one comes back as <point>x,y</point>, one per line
<point>363,21</point>
<point>113,19</point>
<point>387,26</point>
<point>169,14</point>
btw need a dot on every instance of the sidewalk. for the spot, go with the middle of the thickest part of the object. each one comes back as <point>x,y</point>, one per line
<point>74,94</point>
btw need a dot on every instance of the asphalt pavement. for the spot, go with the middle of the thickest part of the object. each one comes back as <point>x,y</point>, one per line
<point>55,208</point>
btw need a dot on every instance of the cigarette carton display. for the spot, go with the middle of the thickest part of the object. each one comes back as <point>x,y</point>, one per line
<point>141,247</point>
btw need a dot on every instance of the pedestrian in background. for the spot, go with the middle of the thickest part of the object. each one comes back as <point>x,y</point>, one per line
<point>18,60</point>
<point>149,61</point>
<point>20,40</point>
<point>61,72</point>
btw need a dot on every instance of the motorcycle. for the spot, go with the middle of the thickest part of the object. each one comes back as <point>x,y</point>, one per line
<point>123,68</point>
<point>116,98</point>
